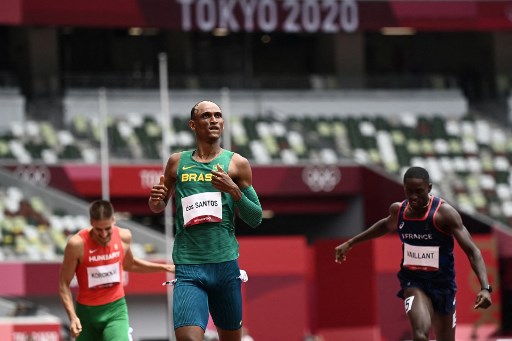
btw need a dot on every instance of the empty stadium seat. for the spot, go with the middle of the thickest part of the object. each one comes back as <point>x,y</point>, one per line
<point>30,231</point>
<point>468,156</point>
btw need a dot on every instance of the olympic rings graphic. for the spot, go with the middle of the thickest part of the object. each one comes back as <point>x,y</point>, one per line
<point>37,175</point>
<point>321,178</point>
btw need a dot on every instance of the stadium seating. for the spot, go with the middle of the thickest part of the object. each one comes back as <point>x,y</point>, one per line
<point>25,227</point>
<point>30,231</point>
<point>468,157</point>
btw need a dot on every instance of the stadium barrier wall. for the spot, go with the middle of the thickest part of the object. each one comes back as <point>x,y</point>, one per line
<point>357,299</point>
<point>295,289</point>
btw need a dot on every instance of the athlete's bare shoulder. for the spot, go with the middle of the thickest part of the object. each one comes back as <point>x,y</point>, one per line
<point>392,219</point>
<point>125,234</point>
<point>240,171</point>
<point>241,163</point>
<point>75,240</point>
<point>75,246</point>
<point>448,218</point>
<point>394,208</point>
<point>447,208</point>
<point>174,159</point>
<point>172,166</point>
<point>239,160</point>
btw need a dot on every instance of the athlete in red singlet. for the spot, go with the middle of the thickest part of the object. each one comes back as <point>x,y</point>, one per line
<point>100,273</point>
<point>98,255</point>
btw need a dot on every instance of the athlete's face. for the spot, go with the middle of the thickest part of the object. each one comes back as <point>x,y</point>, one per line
<point>101,231</point>
<point>208,122</point>
<point>417,192</point>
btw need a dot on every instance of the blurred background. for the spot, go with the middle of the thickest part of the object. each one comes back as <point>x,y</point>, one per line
<point>330,100</point>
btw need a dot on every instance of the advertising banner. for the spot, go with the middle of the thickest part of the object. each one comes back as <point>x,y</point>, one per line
<point>137,180</point>
<point>32,328</point>
<point>292,16</point>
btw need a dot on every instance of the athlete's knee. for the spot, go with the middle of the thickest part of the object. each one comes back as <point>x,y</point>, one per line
<point>189,333</point>
<point>230,335</point>
<point>189,338</point>
<point>420,335</point>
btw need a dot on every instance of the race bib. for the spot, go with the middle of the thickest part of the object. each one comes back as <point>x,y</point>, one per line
<point>202,208</point>
<point>103,275</point>
<point>424,258</point>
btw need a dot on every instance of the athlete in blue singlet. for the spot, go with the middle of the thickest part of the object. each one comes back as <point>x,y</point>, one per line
<point>427,257</point>
<point>427,227</point>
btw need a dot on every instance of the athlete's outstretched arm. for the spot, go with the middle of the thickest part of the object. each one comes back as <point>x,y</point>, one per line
<point>141,265</point>
<point>451,221</point>
<point>380,228</point>
<point>134,264</point>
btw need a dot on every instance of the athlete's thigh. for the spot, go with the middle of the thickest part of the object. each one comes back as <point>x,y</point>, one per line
<point>419,310</point>
<point>88,334</point>
<point>117,325</point>
<point>225,299</point>
<point>91,328</point>
<point>190,300</point>
<point>118,329</point>
<point>444,320</point>
<point>444,326</point>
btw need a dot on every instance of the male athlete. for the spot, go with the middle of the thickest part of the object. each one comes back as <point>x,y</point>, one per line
<point>98,255</point>
<point>427,227</point>
<point>208,184</point>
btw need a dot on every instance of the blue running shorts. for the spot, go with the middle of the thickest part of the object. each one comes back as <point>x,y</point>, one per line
<point>442,296</point>
<point>214,287</point>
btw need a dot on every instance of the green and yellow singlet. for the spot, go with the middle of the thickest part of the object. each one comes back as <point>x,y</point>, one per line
<point>204,220</point>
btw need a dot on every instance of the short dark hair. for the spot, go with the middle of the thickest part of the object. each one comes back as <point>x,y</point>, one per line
<point>417,173</point>
<point>194,108</point>
<point>101,210</point>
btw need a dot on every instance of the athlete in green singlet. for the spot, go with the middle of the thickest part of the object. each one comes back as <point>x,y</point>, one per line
<point>208,185</point>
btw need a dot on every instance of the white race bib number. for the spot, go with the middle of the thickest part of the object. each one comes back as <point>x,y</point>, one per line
<point>424,258</point>
<point>202,208</point>
<point>103,275</point>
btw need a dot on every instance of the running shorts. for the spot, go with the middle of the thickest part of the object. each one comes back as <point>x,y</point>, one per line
<point>107,322</point>
<point>213,287</point>
<point>442,296</point>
